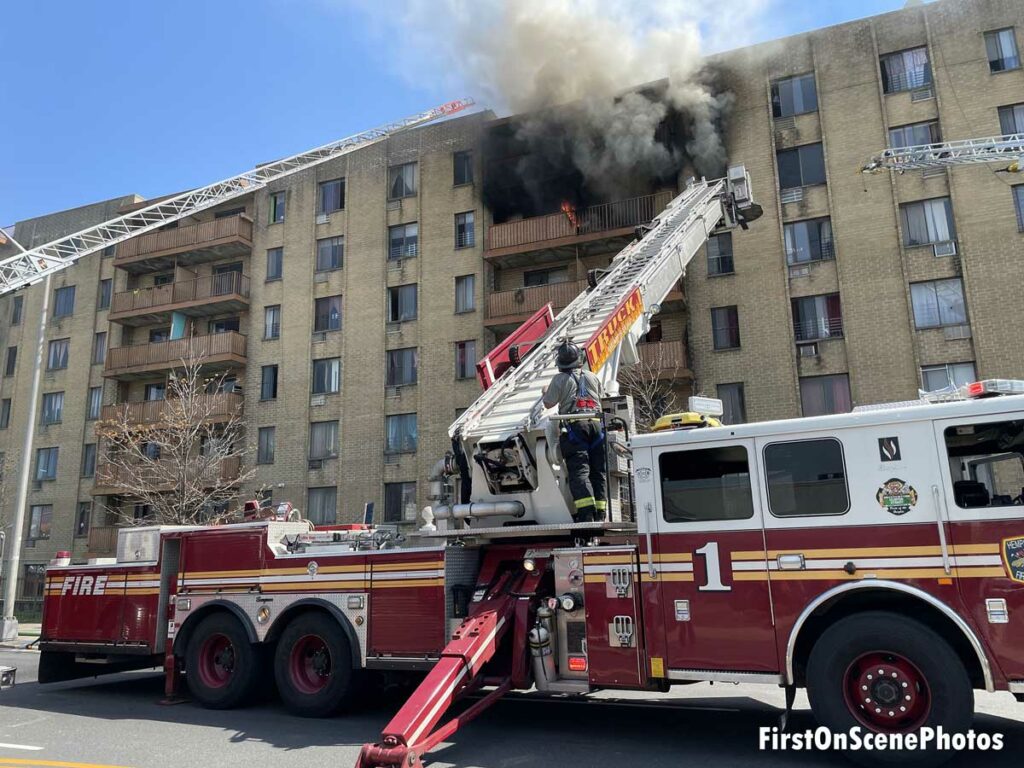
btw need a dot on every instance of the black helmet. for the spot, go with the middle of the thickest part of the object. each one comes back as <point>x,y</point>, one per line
<point>569,356</point>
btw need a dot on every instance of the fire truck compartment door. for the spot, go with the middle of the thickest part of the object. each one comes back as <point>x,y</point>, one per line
<point>614,633</point>
<point>715,611</point>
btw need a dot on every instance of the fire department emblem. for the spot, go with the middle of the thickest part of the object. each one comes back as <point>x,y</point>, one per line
<point>312,568</point>
<point>1013,557</point>
<point>896,496</point>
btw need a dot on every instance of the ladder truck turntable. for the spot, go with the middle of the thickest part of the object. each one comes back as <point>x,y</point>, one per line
<point>875,558</point>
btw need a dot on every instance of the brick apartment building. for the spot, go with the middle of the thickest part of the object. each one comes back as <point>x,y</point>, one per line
<point>348,305</point>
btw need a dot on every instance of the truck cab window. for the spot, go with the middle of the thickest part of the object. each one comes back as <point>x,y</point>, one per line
<point>986,461</point>
<point>706,484</point>
<point>806,477</point>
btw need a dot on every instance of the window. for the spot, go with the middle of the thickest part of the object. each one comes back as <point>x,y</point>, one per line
<point>720,254</point>
<point>332,196</point>
<point>937,303</point>
<point>157,390</point>
<point>5,413</point>
<point>948,376</point>
<point>106,290</point>
<point>330,252</point>
<point>327,314</point>
<point>1011,119</point>
<point>64,301</point>
<point>465,293</point>
<point>157,335</point>
<point>806,477</point>
<point>400,434</point>
<point>99,348</point>
<point>228,212</point>
<point>794,96</point>
<point>52,408</point>
<point>1001,47</point>
<point>817,317</point>
<point>399,502</point>
<point>272,322</point>
<point>1018,202</point>
<point>268,382</point>
<point>275,263</point>
<point>276,207</point>
<point>801,166</point>
<point>402,181</point>
<point>928,221</point>
<point>40,520</point>
<point>57,354</point>
<point>465,359</point>
<point>545,276</point>
<point>733,403</point>
<point>164,279</point>
<point>322,508</point>
<point>327,376</point>
<point>820,395</point>
<point>46,463</point>
<point>906,70</point>
<point>224,325</point>
<point>142,512</point>
<point>464,232</point>
<point>401,367</point>
<point>402,303</point>
<point>17,305</point>
<point>152,450</point>
<point>706,484</point>
<point>88,459</point>
<point>82,518</point>
<point>95,403</point>
<point>323,439</point>
<point>265,445</point>
<point>403,241</point>
<point>462,162</point>
<point>914,135</point>
<point>986,465</point>
<point>725,327</point>
<point>809,240</point>
<point>11,361</point>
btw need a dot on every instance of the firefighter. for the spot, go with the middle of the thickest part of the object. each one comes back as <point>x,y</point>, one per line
<point>581,440</point>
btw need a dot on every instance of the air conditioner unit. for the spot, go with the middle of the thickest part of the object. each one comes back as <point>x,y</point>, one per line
<point>316,464</point>
<point>801,271</point>
<point>956,332</point>
<point>946,248</point>
<point>931,173</point>
<point>320,277</point>
<point>393,391</point>
<point>785,123</point>
<point>392,458</point>
<point>793,195</point>
<point>319,336</point>
<point>807,350</point>
<point>394,264</point>
<point>317,400</point>
<point>391,327</point>
<point>323,218</point>
<point>922,94</point>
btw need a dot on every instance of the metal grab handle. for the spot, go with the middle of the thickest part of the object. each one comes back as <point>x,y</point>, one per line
<point>940,521</point>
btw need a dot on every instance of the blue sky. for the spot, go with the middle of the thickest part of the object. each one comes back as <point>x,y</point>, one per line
<point>108,98</point>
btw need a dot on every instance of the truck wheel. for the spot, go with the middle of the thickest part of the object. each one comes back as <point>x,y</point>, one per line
<point>220,663</point>
<point>313,666</point>
<point>888,674</point>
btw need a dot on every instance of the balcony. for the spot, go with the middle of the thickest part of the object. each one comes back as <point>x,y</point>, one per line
<point>574,227</point>
<point>217,351</point>
<point>194,244</point>
<point>103,541</point>
<point>220,406</point>
<point>818,329</point>
<point>114,480</point>
<point>515,306</point>
<point>665,359</point>
<point>210,295</point>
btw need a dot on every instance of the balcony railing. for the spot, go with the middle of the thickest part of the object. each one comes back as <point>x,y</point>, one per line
<point>158,478</point>
<point>103,540</point>
<point>138,358</point>
<point>819,328</point>
<point>824,252</point>
<point>211,289</point>
<point>579,222</point>
<point>208,236</point>
<point>219,406</point>
<point>526,301</point>
<point>663,355</point>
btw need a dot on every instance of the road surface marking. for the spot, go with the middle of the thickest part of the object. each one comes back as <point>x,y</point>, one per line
<point>5,761</point>
<point>19,746</point>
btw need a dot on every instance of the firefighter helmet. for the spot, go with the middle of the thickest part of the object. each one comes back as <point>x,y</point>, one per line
<point>569,356</point>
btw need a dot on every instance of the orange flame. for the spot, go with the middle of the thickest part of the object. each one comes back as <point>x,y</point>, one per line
<point>570,213</point>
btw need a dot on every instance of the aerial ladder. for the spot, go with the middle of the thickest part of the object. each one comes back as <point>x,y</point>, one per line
<point>1007,149</point>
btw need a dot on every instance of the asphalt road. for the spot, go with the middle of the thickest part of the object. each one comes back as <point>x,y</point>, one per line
<point>118,721</point>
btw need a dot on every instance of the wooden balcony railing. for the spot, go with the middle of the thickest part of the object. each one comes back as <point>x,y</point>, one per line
<point>594,219</point>
<point>526,301</point>
<point>218,406</point>
<point>664,355</point>
<point>215,289</point>
<point>103,540</point>
<point>205,235</point>
<point>114,477</point>
<point>139,358</point>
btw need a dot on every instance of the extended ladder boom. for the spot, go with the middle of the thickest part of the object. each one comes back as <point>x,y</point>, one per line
<point>994,149</point>
<point>33,265</point>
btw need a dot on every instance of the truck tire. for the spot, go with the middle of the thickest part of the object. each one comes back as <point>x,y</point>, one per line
<point>888,674</point>
<point>220,663</point>
<point>313,666</point>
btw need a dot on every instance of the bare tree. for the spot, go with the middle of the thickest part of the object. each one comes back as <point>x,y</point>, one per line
<point>184,457</point>
<point>650,382</point>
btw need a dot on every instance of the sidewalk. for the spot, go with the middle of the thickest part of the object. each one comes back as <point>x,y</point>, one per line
<point>27,633</point>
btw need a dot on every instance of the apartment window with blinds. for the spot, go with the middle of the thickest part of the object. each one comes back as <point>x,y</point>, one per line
<point>277,207</point>
<point>323,439</point>
<point>938,303</point>
<point>52,408</point>
<point>402,303</point>
<point>734,405</point>
<point>332,196</point>
<point>465,234</point>
<point>821,395</point>
<point>817,317</point>
<point>268,382</point>
<point>275,263</point>
<point>465,293</point>
<point>11,361</point>
<point>914,135</point>
<point>82,519</point>
<point>1011,119</point>
<point>402,181</point>
<point>327,314</point>
<point>462,163</point>
<point>327,376</point>
<point>808,241</point>
<point>906,70</point>
<point>99,348</point>
<point>95,403</point>
<point>5,413</point>
<point>40,519</point>
<point>465,359</point>
<point>272,322</point>
<point>401,433</point>
<point>794,96</point>
<point>946,376</point>
<point>720,254</point>
<point>399,502</point>
<point>401,367</point>
<point>330,253</point>
<point>64,301</point>
<point>928,221</point>
<point>548,276</point>
<point>265,445</point>
<point>106,290</point>
<point>403,241</point>
<point>57,354</point>
<point>17,305</point>
<point>1001,46</point>
<point>46,463</point>
<point>801,167</point>
<point>88,459</point>
<point>725,327</point>
<point>1018,203</point>
<point>322,508</point>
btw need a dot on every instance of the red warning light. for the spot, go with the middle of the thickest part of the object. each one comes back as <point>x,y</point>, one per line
<point>577,663</point>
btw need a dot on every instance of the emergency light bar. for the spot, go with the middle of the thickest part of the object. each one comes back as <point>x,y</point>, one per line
<point>991,387</point>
